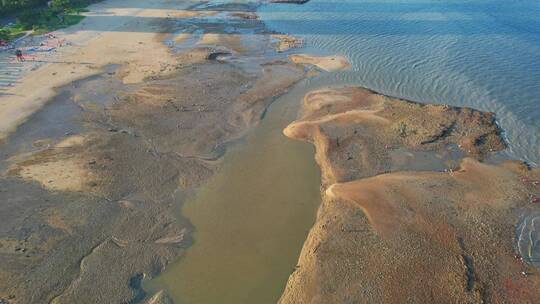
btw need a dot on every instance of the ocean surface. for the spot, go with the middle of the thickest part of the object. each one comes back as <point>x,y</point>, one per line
<point>480,54</point>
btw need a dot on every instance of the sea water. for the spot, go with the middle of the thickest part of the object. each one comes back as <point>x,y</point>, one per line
<point>483,54</point>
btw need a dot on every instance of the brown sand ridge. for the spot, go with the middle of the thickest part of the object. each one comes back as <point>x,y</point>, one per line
<point>410,236</point>
<point>355,130</point>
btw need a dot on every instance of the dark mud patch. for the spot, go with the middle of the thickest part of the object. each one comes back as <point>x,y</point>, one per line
<point>218,55</point>
<point>135,283</point>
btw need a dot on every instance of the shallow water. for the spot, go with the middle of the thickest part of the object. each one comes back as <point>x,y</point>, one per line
<point>528,241</point>
<point>250,219</point>
<point>253,216</point>
<point>478,53</point>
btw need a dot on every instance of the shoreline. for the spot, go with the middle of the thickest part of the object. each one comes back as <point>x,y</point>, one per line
<point>404,189</point>
<point>87,49</point>
<point>106,156</point>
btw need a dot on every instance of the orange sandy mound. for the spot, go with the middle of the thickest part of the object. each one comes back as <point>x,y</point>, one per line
<point>410,236</point>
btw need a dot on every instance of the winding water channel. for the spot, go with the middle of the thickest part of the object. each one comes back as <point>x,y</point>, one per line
<point>250,219</point>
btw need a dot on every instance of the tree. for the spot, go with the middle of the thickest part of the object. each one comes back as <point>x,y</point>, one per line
<point>59,5</point>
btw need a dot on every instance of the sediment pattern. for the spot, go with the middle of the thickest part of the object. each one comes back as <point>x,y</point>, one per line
<point>90,196</point>
<point>432,236</point>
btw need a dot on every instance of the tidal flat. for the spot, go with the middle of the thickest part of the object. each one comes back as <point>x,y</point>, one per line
<point>210,159</point>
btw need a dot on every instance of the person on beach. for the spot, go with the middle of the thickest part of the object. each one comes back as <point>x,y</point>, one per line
<point>19,55</point>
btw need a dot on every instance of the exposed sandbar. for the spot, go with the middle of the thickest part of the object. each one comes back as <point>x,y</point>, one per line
<point>425,236</point>
<point>286,42</point>
<point>327,63</point>
<point>355,130</point>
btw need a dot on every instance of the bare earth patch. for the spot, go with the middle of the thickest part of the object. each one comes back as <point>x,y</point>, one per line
<point>61,167</point>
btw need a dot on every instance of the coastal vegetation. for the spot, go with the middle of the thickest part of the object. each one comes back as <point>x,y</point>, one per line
<point>39,16</point>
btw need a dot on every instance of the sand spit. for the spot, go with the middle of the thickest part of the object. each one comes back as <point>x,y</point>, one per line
<point>327,63</point>
<point>356,130</point>
<point>444,236</point>
<point>92,181</point>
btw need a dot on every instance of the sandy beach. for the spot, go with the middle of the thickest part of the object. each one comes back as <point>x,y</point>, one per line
<point>118,32</point>
<point>133,114</point>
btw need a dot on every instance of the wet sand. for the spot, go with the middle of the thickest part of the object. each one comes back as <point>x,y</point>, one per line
<point>118,31</point>
<point>326,63</point>
<point>286,42</point>
<point>92,181</point>
<point>250,219</point>
<point>387,234</point>
<point>155,161</point>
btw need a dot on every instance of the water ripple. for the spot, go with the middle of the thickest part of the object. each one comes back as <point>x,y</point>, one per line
<point>480,53</point>
<point>528,238</point>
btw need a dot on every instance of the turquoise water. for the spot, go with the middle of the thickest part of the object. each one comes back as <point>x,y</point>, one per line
<point>481,54</point>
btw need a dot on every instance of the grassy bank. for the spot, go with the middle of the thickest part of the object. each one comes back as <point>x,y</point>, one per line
<point>40,17</point>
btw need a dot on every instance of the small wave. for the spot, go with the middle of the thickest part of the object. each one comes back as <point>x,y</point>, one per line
<point>528,238</point>
<point>460,55</point>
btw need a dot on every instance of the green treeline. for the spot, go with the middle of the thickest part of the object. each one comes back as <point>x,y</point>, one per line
<point>15,7</point>
<point>40,15</point>
<point>12,6</point>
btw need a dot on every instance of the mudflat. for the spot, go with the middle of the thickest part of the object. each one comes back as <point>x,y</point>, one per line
<point>99,147</point>
<point>94,160</point>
